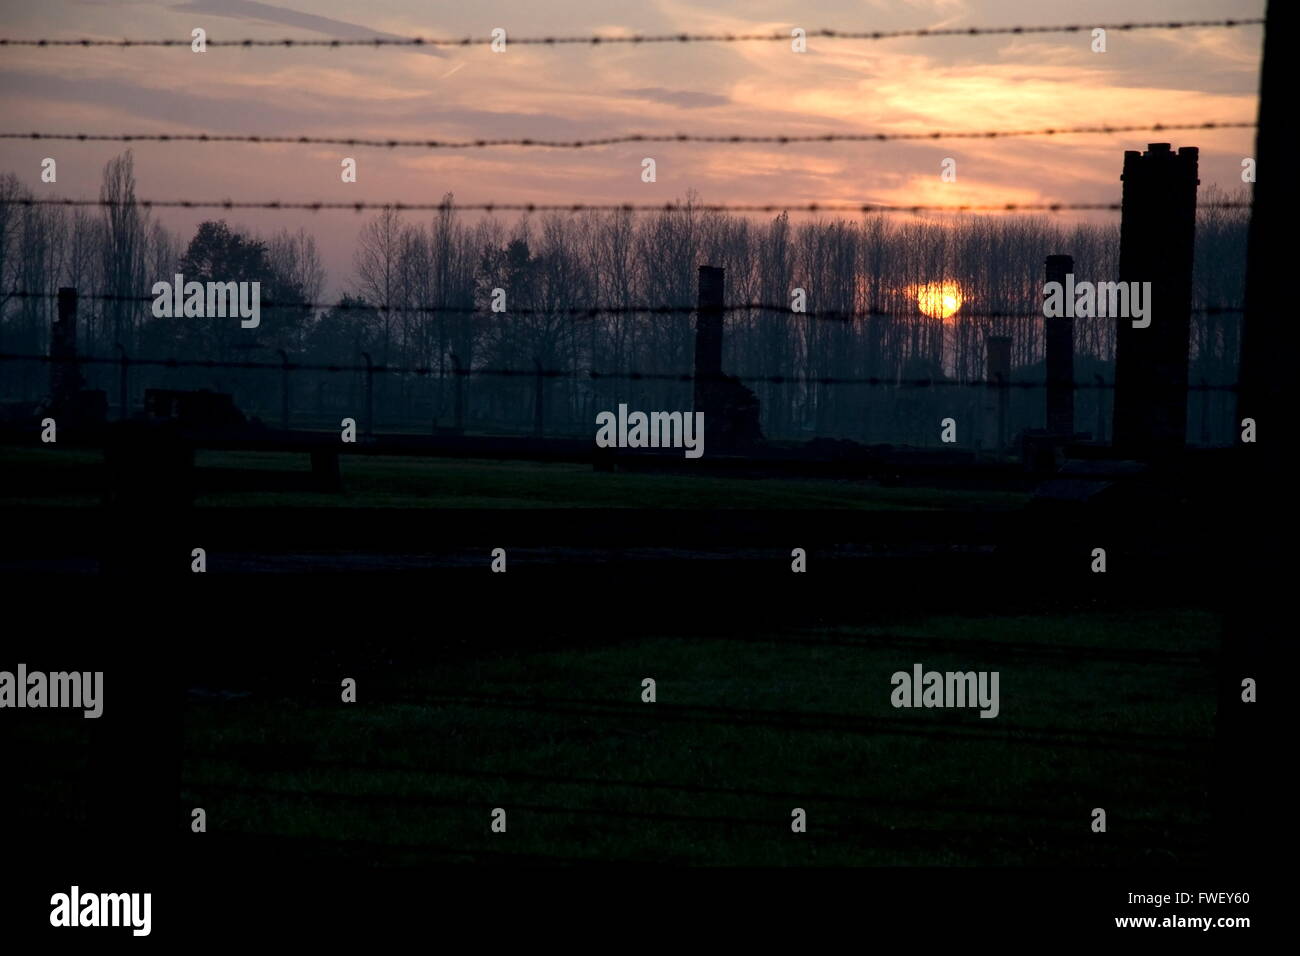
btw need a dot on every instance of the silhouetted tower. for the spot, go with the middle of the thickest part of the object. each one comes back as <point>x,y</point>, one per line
<point>65,374</point>
<point>1157,236</point>
<point>1059,336</point>
<point>708,342</point>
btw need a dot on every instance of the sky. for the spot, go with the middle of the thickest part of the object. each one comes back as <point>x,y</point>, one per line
<point>837,86</point>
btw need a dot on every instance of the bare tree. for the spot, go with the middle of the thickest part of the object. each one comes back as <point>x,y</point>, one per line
<point>379,250</point>
<point>295,257</point>
<point>125,248</point>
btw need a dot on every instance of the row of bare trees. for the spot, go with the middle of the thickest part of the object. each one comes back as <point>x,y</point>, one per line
<point>421,290</point>
<point>874,266</point>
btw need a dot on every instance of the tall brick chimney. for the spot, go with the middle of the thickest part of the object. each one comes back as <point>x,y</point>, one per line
<point>65,374</point>
<point>1059,336</point>
<point>1157,235</point>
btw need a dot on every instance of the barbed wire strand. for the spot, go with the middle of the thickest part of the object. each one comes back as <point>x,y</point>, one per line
<point>593,374</point>
<point>598,310</point>
<point>666,207</point>
<point>639,38</point>
<point>531,142</point>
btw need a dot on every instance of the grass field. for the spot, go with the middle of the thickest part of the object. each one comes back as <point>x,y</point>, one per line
<point>1097,710</point>
<point>73,478</point>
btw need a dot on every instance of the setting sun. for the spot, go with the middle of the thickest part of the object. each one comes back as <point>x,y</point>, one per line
<point>939,300</point>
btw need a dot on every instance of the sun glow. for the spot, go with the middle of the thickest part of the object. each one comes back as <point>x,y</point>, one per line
<point>939,300</point>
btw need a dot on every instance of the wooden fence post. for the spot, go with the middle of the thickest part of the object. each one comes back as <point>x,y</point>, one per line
<point>65,375</point>
<point>370,395</point>
<point>459,373</point>
<point>539,400</point>
<point>284,389</point>
<point>123,393</point>
<point>998,357</point>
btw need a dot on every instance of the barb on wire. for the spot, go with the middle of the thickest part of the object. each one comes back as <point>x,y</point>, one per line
<point>643,38</point>
<point>531,142</point>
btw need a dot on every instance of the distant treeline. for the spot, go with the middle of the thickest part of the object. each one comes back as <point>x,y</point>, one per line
<point>562,261</point>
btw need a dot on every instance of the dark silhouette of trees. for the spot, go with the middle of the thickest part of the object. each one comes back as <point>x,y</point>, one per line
<point>421,292</point>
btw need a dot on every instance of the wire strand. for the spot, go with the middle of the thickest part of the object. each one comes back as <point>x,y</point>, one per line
<point>593,374</point>
<point>640,38</point>
<point>530,142</point>
<point>598,310</point>
<point>489,207</point>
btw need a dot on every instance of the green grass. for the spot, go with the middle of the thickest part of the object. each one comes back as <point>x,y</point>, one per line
<point>72,478</point>
<point>402,768</point>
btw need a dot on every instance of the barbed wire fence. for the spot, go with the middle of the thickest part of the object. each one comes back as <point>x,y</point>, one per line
<point>460,377</point>
<point>534,143</point>
<point>459,374</point>
<point>598,309</point>
<point>379,41</point>
<point>668,207</point>
<point>1175,747</point>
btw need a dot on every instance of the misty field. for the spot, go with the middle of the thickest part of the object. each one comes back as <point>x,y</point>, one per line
<point>1110,710</point>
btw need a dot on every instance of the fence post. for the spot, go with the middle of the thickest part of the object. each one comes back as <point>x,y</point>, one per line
<point>65,375</point>
<point>370,395</point>
<point>1205,410</point>
<point>1058,334</point>
<point>1101,408</point>
<point>284,389</point>
<point>123,400</point>
<point>998,357</point>
<point>539,399</point>
<point>1257,622</point>
<point>459,373</point>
